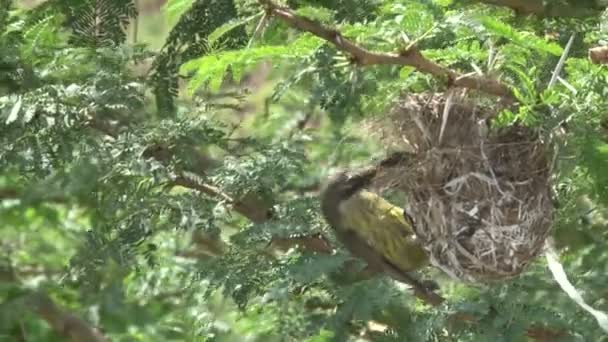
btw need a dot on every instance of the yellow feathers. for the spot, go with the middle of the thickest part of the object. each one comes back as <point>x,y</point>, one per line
<point>384,228</point>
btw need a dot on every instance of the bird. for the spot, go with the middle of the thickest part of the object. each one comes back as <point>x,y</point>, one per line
<point>374,230</point>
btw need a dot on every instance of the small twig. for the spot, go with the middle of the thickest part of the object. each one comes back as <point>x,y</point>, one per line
<point>562,60</point>
<point>23,194</point>
<point>249,205</point>
<point>258,30</point>
<point>415,42</point>
<point>316,243</point>
<point>421,290</point>
<point>233,94</point>
<point>446,113</point>
<point>136,23</point>
<point>204,188</point>
<point>231,106</point>
<point>560,277</point>
<point>23,332</point>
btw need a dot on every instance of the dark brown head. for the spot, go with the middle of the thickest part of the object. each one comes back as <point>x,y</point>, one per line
<point>338,188</point>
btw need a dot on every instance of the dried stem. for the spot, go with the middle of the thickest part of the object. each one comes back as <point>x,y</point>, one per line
<point>561,62</point>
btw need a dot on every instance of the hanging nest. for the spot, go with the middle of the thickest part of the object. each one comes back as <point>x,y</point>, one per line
<point>479,197</point>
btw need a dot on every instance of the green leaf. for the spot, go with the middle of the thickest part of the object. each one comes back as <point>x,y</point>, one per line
<point>406,71</point>
<point>175,9</point>
<point>321,14</point>
<point>211,68</point>
<point>522,38</point>
<point>229,26</point>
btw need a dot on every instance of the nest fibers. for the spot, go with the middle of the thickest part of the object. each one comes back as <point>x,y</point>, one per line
<point>480,197</point>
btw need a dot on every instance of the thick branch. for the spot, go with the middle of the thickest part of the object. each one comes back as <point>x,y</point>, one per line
<point>539,8</point>
<point>410,57</point>
<point>599,55</point>
<point>63,322</point>
<point>9,193</point>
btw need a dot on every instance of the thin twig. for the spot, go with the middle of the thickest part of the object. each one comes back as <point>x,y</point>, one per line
<point>258,30</point>
<point>204,188</point>
<point>559,274</point>
<point>446,113</point>
<point>136,23</point>
<point>562,60</point>
<point>316,243</point>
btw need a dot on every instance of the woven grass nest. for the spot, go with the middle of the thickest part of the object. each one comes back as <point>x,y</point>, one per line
<point>479,197</point>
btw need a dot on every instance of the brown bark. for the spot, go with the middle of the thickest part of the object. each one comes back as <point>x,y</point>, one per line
<point>599,55</point>
<point>538,8</point>
<point>64,322</point>
<point>547,334</point>
<point>250,206</point>
<point>410,56</point>
<point>12,193</point>
<point>316,243</point>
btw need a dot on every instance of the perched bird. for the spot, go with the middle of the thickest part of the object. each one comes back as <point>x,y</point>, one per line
<point>373,229</point>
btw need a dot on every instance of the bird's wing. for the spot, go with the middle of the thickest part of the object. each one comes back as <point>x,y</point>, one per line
<point>383,227</point>
<point>379,263</point>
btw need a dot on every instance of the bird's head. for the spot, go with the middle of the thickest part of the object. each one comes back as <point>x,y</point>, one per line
<point>342,185</point>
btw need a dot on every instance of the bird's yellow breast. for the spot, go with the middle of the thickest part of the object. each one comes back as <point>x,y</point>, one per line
<point>384,227</point>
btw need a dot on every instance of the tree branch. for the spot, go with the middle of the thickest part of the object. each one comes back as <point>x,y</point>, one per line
<point>315,243</point>
<point>250,206</point>
<point>9,193</point>
<point>63,322</point>
<point>12,193</point>
<point>410,57</point>
<point>599,55</point>
<point>539,8</point>
<point>201,187</point>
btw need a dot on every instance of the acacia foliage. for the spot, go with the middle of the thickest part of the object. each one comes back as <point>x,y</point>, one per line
<point>153,210</point>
